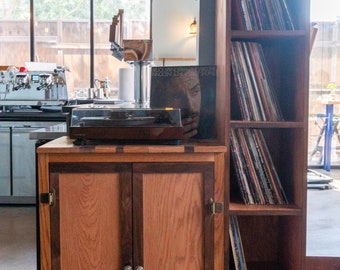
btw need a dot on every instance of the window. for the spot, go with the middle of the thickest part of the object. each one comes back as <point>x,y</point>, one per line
<point>324,76</point>
<point>62,35</point>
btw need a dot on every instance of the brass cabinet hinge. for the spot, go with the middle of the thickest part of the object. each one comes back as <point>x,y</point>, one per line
<point>215,207</point>
<point>47,198</point>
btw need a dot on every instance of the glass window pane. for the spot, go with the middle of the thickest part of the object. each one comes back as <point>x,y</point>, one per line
<point>324,79</point>
<point>136,18</point>
<point>65,39</point>
<point>14,32</point>
<point>62,35</point>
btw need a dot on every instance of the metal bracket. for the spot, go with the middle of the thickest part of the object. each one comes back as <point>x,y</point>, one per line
<point>215,207</point>
<point>47,198</point>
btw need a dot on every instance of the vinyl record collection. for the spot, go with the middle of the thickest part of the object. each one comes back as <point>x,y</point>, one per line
<point>267,49</point>
<point>263,15</point>
<point>257,178</point>
<point>236,244</point>
<point>254,88</point>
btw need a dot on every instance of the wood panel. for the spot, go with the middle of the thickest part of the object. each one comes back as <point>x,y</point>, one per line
<point>44,229</point>
<point>222,50</point>
<point>94,213</point>
<point>65,145</point>
<point>175,230</point>
<point>322,263</point>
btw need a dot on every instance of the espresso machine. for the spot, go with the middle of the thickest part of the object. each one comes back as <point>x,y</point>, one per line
<point>33,88</point>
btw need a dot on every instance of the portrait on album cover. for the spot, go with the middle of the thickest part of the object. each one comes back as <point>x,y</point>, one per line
<point>193,90</point>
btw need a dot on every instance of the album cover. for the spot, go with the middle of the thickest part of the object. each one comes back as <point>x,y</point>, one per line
<point>191,89</point>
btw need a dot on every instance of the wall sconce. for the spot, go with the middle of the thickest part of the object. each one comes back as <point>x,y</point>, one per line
<point>193,27</point>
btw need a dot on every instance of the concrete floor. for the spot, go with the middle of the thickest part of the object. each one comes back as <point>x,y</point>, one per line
<point>18,234</point>
<point>18,238</point>
<point>323,218</point>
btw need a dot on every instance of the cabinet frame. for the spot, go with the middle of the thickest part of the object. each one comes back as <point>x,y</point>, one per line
<point>62,150</point>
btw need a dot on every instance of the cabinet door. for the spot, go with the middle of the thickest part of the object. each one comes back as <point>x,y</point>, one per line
<point>5,166</point>
<point>91,216</point>
<point>173,228</point>
<point>23,162</point>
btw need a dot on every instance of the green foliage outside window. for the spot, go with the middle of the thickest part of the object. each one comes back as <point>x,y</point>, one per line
<point>74,9</point>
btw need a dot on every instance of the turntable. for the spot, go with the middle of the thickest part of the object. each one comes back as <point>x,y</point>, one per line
<point>104,124</point>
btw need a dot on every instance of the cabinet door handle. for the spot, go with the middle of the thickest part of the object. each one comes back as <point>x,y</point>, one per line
<point>139,267</point>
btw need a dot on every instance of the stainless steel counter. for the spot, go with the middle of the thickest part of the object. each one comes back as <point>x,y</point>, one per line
<point>49,133</point>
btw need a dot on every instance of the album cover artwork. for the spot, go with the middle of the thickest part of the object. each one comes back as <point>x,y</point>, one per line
<point>193,90</point>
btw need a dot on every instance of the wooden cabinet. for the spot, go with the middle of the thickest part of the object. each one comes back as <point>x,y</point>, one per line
<point>273,236</point>
<point>112,207</point>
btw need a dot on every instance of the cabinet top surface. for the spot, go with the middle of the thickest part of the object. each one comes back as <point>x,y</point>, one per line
<point>65,145</point>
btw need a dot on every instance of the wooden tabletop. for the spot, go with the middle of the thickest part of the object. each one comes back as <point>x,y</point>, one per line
<point>65,145</point>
